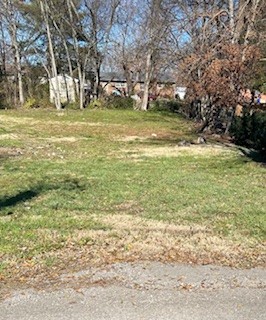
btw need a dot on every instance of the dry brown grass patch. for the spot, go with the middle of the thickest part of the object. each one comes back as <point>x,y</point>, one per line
<point>9,136</point>
<point>133,238</point>
<point>176,151</point>
<point>63,139</point>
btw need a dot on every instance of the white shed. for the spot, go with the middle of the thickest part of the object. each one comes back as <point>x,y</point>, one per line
<point>180,92</point>
<point>67,88</point>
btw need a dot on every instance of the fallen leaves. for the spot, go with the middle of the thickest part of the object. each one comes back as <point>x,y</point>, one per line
<point>131,239</point>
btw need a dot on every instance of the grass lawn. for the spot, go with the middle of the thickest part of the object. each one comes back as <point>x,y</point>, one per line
<point>93,187</point>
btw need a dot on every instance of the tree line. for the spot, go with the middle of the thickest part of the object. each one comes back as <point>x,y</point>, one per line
<point>213,47</point>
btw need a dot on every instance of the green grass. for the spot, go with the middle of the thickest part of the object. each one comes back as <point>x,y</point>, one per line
<point>75,169</point>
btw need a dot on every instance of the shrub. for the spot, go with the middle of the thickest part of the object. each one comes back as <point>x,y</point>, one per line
<point>71,106</point>
<point>116,102</point>
<point>165,105</point>
<point>30,103</point>
<point>259,131</point>
<point>250,130</point>
<point>3,103</point>
<point>112,102</point>
<point>34,103</point>
<point>96,104</point>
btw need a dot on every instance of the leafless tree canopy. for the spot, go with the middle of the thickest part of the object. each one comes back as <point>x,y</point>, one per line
<point>210,46</point>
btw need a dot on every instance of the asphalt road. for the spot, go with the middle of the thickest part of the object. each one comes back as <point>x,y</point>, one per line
<point>146,291</point>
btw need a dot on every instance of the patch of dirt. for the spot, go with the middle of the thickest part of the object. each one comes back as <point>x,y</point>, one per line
<point>6,152</point>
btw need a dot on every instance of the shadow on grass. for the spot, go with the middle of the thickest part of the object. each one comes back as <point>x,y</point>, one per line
<point>66,184</point>
<point>254,155</point>
<point>250,154</point>
<point>20,197</point>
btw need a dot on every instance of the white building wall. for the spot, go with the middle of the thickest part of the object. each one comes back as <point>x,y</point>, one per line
<point>66,88</point>
<point>181,92</point>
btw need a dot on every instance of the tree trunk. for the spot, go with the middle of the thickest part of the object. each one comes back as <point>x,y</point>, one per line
<point>81,72</point>
<point>52,55</point>
<point>230,119</point>
<point>148,71</point>
<point>18,68</point>
<point>129,81</point>
<point>81,87</point>
<point>231,17</point>
<point>97,80</point>
<point>70,68</point>
<point>17,57</point>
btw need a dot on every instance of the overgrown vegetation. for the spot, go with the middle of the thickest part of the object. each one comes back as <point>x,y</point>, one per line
<point>250,130</point>
<point>98,186</point>
<point>165,105</point>
<point>112,102</point>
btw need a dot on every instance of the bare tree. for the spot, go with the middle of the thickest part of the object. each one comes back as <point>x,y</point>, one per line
<point>90,26</point>
<point>100,21</point>
<point>10,13</point>
<point>155,30</point>
<point>219,58</point>
<point>63,22</point>
<point>81,60</point>
<point>45,14</point>
<point>127,49</point>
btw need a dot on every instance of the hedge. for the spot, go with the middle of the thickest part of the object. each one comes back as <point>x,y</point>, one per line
<point>250,130</point>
